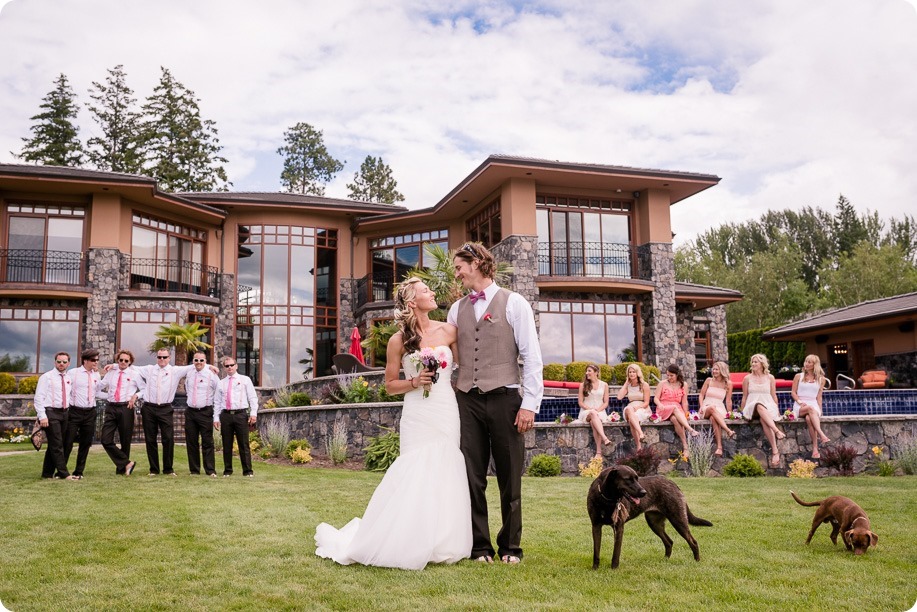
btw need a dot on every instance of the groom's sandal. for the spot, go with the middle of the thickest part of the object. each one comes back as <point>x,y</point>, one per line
<point>484,559</point>
<point>510,559</point>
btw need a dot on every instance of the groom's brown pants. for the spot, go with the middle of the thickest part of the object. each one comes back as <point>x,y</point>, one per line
<point>487,429</point>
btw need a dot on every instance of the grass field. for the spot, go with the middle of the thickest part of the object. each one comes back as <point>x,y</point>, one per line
<point>142,543</point>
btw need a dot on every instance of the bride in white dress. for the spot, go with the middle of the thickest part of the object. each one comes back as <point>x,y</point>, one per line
<point>421,511</point>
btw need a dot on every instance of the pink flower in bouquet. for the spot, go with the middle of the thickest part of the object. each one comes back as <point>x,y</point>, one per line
<point>614,417</point>
<point>430,360</point>
<point>654,417</point>
<point>789,416</point>
<point>693,416</point>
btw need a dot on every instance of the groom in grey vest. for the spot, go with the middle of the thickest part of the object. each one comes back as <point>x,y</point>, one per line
<point>495,328</point>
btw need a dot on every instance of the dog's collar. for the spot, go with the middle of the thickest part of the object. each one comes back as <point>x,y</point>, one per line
<point>857,519</point>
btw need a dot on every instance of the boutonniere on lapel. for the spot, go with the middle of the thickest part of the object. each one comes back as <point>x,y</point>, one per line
<point>488,317</point>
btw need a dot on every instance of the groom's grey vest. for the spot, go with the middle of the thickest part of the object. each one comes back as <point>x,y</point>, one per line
<point>489,357</point>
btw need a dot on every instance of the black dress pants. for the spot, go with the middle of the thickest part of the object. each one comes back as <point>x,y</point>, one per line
<point>119,418</point>
<point>487,429</point>
<point>158,420</point>
<point>198,437</point>
<point>81,427</point>
<point>234,424</point>
<point>55,464</point>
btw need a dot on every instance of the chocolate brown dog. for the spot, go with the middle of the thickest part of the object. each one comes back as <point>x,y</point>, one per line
<point>846,518</point>
<point>617,495</point>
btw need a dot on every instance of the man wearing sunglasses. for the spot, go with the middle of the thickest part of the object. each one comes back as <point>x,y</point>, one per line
<point>81,424</point>
<point>52,402</point>
<point>157,413</point>
<point>123,385</point>
<point>200,385</point>
<point>496,328</point>
<point>235,410</point>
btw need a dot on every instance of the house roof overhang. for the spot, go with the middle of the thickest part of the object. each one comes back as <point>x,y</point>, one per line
<point>895,310</point>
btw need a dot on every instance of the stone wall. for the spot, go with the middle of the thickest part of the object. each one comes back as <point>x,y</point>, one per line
<point>521,252</point>
<point>719,348</point>
<point>104,278</point>
<point>574,445</point>
<point>684,332</point>
<point>901,368</point>
<point>656,263</point>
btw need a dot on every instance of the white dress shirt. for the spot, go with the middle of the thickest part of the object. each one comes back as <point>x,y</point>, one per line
<point>521,318</point>
<point>201,387</point>
<point>50,394</point>
<point>131,383</point>
<point>161,382</point>
<point>241,394</point>
<point>85,387</point>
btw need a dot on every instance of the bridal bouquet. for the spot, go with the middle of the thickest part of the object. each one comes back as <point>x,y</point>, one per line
<point>431,360</point>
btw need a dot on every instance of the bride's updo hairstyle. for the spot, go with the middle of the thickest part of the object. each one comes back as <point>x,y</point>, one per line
<point>404,316</point>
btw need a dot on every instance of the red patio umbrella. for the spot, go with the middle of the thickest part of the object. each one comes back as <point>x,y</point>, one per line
<point>355,349</point>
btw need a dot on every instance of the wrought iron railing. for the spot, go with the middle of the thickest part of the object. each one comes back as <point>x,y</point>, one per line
<point>594,259</point>
<point>375,287</point>
<point>44,267</point>
<point>173,276</point>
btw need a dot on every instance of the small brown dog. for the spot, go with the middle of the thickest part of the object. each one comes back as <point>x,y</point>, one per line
<point>846,518</point>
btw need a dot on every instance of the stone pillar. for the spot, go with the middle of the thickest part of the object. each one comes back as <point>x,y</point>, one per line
<point>346,313</point>
<point>224,332</point>
<point>103,279</point>
<point>521,252</point>
<point>719,347</point>
<point>656,262</point>
<point>685,359</point>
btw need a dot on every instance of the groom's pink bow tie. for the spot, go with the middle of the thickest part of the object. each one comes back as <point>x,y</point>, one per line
<point>475,296</point>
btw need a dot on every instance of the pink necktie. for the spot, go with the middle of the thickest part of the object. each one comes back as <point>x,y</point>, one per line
<point>63,392</point>
<point>118,386</point>
<point>229,394</point>
<point>475,296</point>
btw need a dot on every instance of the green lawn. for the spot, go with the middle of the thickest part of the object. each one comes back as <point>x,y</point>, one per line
<point>194,543</point>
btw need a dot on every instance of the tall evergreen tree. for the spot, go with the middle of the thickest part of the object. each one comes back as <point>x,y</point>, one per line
<point>117,149</point>
<point>374,183</point>
<point>55,139</point>
<point>182,150</point>
<point>307,165</point>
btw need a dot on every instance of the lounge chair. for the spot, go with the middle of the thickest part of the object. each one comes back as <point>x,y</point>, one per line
<point>345,363</point>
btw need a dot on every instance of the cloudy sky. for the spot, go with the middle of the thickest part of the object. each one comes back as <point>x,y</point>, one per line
<point>791,102</point>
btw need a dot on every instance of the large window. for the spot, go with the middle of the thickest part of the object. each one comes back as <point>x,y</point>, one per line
<point>584,237</point>
<point>588,331</point>
<point>485,227</point>
<point>137,330</point>
<point>31,337</point>
<point>44,244</point>
<point>287,303</point>
<point>167,256</point>
<point>392,257</point>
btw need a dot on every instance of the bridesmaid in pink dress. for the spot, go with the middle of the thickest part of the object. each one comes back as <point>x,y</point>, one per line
<point>672,403</point>
<point>715,401</point>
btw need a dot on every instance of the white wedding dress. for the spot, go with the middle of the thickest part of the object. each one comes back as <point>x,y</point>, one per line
<point>421,511</point>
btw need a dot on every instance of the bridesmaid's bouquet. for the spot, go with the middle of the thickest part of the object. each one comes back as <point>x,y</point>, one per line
<point>431,360</point>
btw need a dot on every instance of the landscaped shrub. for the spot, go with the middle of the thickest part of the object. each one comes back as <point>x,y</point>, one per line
<point>591,469</point>
<point>879,464</point>
<point>576,370</point>
<point>644,461</point>
<point>276,437</point>
<point>7,383</point>
<point>906,454</point>
<point>300,399</point>
<point>802,468</point>
<point>544,465</point>
<point>743,466</point>
<point>382,395</point>
<point>620,372</point>
<point>606,373</point>
<point>295,445</point>
<point>553,371</point>
<point>840,458</point>
<point>382,451</point>
<point>27,385</point>
<point>701,452</point>
<point>301,455</point>
<point>354,390</point>
<point>336,443</point>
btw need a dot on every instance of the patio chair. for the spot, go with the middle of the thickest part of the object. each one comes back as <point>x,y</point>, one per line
<point>345,363</point>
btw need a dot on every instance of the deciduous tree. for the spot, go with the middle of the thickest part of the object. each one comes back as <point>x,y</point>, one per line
<point>307,164</point>
<point>374,183</point>
<point>55,137</point>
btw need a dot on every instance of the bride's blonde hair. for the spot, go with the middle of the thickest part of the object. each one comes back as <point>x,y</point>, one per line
<point>404,314</point>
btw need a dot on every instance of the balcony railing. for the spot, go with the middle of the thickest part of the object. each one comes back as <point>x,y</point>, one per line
<point>593,259</point>
<point>375,287</point>
<point>41,267</point>
<point>172,276</point>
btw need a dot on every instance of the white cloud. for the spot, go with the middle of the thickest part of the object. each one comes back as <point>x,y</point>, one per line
<point>791,103</point>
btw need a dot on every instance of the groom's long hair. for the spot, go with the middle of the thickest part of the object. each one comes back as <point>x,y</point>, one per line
<point>405,317</point>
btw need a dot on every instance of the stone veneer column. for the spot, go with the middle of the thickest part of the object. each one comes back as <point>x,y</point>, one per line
<point>103,279</point>
<point>684,332</point>
<point>346,312</point>
<point>224,332</point>
<point>656,262</point>
<point>521,252</point>
<point>719,347</point>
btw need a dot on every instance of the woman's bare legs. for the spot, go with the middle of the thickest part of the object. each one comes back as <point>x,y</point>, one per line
<point>598,431</point>
<point>635,430</point>
<point>680,424</point>
<point>813,424</point>
<point>719,427</point>
<point>770,432</point>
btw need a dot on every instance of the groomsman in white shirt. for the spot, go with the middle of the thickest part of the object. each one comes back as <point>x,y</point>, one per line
<point>235,409</point>
<point>81,424</point>
<point>52,402</point>
<point>123,384</point>
<point>201,386</point>
<point>157,413</point>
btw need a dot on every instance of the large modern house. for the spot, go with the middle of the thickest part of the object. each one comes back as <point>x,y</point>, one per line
<point>100,259</point>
